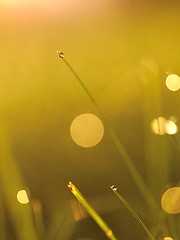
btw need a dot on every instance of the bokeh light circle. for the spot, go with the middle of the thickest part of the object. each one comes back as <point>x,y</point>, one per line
<point>161,126</point>
<point>173,82</point>
<point>22,197</point>
<point>158,126</point>
<point>87,130</point>
<point>170,201</point>
<point>167,238</point>
<point>171,127</point>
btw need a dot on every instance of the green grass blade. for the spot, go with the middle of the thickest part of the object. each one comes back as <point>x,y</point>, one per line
<point>132,212</point>
<point>11,182</point>
<point>92,212</point>
<point>129,163</point>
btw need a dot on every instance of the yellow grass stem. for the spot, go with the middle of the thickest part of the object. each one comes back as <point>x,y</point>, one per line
<point>92,212</point>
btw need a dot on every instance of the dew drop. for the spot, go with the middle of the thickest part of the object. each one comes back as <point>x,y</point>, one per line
<point>61,54</point>
<point>113,188</point>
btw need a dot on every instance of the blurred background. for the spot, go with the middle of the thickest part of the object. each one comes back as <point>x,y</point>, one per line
<point>123,50</point>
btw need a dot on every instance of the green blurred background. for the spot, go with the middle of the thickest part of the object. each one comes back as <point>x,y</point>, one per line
<point>122,51</point>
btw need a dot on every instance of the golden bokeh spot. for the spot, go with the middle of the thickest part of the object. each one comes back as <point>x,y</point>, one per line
<point>170,201</point>
<point>161,126</point>
<point>167,238</point>
<point>173,82</point>
<point>22,197</point>
<point>171,127</point>
<point>87,130</point>
<point>158,126</point>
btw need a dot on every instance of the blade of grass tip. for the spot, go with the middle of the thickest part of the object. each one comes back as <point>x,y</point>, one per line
<point>129,163</point>
<point>132,212</point>
<point>92,212</point>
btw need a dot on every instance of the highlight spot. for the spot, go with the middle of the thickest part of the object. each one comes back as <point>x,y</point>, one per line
<point>173,82</point>
<point>170,201</point>
<point>22,197</point>
<point>171,127</point>
<point>161,126</point>
<point>87,130</point>
<point>167,238</point>
<point>158,126</point>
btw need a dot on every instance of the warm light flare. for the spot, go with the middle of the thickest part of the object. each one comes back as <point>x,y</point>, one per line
<point>158,126</point>
<point>167,238</point>
<point>171,127</point>
<point>161,126</point>
<point>173,82</point>
<point>22,197</point>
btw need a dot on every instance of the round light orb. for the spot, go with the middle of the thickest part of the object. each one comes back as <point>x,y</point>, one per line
<point>22,197</point>
<point>167,238</point>
<point>171,127</point>
<point>158,126</point>
<point>87,130</point>
<point>173,82</point>
<point>170,201</point>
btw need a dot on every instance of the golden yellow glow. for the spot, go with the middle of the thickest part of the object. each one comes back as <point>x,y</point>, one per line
<point>173,82</point>
<point>22,197</point>
<point>167,238</point>
<point>158,126</point>
<point>87,130</point>
<point>171,127</point>
<point>163,126</point>
<point>170,201</point>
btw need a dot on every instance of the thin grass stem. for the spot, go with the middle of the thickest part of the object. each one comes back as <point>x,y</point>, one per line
<point>92,212</point>
<point>144,190</point>
<point>132,212</point>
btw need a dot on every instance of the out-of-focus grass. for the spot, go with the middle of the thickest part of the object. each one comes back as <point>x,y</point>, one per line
<point>11,183</point>
<point>2,220</point>
<point>38,96</point>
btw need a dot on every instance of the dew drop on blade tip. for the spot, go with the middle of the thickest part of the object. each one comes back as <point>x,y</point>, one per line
<point>113,188</point>
<point>61,54</point>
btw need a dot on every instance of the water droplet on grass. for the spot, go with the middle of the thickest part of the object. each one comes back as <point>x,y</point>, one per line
<point>61,54</point>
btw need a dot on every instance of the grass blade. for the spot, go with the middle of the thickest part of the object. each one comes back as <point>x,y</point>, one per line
<point>144,190</point>
<point>132,212</point>
<point>92,212</point>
